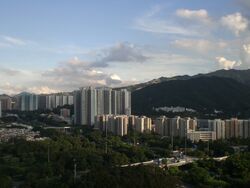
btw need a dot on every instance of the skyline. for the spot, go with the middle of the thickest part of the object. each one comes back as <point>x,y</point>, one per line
<point>60,46</point>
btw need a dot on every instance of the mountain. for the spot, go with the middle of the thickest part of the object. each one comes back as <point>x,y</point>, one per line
<point>154,81</point>
<point>242,76</point>
<point>204,94</point>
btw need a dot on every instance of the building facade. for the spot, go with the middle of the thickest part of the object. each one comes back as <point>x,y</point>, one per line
<point>58,100</point>
<point>6,102</point>
<point>89,102</point>
<point>192,129</point>
<point>122,124</point>
<point>26,102</point>
<point>0,109</point>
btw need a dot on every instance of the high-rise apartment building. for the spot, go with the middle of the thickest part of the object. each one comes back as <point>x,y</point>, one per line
<point>143,124</point>
<point>107,101</point>
<point>235,128</point>
<point>163,126</point>
<point>192,129</point>
<point>245,129</point>
<point>131,122</point>
<point>0,109</point>
<point>121,124</point>
<point>218,126</point>
<point>58,100</point>
<point>89,102</point>
<point>6,102</point>
<point>202,129</point>
<point>230,127</point>
<point>85,106</point>
<point>42,102</point>
<point>26,101</point>
<point>116,124</point>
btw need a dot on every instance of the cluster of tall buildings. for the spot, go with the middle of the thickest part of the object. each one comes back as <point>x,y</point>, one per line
<point>236,128</point>
<point>26,102</point>
<point>6,102</point>
<point>0,109</point>
<point>202,129</point>
<point>89,102</point>
<point>110,110</point>
<point>121,124</point>
<point>31,102</point>
<point>55,100</point>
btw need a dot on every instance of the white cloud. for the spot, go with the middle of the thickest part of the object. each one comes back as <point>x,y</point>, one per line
<point>121,52</point>
<point>202,46</point>
<point>227,64</point>
<point>199,15</point>
<point>235,22</point>
<point>10,89</point>
<point>13,89</point>
<point>115,77</point>
<point>245,56</point>
<point>246,48</point>
<point>9,41</point>
<point>162,27</point>
<point>9,71</point>
<point>14,41</point>
<point>151,23</point>
<point>42,90</point>
<point>76,73</point>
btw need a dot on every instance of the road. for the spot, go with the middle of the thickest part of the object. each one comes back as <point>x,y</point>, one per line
<point>172,162</point>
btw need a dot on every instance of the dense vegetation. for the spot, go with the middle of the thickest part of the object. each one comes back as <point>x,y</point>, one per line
<point>51,163</point>
<point>233,172</point>
<point>98,158</point>
<point>203,94</point>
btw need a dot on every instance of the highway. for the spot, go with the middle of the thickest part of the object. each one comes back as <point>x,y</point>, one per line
<point>171,162</point>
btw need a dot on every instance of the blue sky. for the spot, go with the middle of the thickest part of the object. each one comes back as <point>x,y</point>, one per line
<point>60,45</point>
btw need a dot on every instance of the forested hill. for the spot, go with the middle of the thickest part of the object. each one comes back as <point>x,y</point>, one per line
<point>242,76</point>
<point>204,94</point>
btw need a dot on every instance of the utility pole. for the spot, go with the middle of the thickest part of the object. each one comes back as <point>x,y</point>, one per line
<point>48,154</point>
<point>134,136</point>
<point>74,170</point>
<point>172,137</point>
<point>154,164</point>
<point>106,143</point>
<point>208,146</point>
<point>185,141</point>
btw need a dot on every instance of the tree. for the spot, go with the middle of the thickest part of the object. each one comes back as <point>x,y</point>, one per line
<point>5,181</point>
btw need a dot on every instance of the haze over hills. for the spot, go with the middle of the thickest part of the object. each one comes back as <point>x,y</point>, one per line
<point>201,93</point>
<point>223,90</point>
<point>242,76</point>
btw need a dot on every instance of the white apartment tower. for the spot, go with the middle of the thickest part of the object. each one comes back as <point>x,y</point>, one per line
<point>89,102</point>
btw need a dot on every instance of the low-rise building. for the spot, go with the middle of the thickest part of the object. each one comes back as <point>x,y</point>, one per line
<point>195,136</point>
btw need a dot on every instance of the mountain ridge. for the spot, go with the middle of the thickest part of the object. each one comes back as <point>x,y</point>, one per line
<point>203,94</point>
<point>242,76</point>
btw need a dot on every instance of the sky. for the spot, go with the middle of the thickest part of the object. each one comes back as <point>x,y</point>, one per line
<point>52,46</point>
